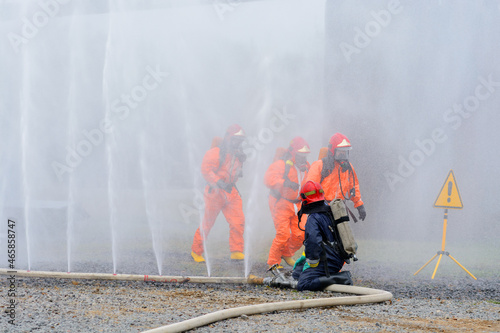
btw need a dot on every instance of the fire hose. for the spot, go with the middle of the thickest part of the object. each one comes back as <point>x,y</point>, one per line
<point>362,295</point>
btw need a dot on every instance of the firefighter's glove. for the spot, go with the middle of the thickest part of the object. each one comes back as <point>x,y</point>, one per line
<point>288,183</point>
<point>300,261</point>
<point>225,186</point>
<point>362,212</point>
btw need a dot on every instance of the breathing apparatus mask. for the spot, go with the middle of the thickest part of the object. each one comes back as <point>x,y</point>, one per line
<point>235,142</point>
<point>301,161</point>
<point>235,146</point>
<point>341,156</point>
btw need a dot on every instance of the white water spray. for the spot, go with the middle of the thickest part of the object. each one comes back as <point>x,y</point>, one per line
<point>105,60</point>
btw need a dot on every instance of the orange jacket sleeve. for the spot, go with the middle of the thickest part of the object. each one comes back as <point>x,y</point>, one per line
<point>274,175</point>
<point>210,165</point>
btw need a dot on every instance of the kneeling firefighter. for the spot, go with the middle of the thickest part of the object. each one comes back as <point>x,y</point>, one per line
<point>323,256</point>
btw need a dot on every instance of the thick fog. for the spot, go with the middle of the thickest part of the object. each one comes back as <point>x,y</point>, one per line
<point>107,108</point>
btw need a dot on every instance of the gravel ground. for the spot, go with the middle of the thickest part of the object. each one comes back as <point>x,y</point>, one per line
<point>445,304</point>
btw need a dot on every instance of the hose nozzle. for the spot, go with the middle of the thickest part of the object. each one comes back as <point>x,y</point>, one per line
<point>279,280</point>
<point>276,272</point>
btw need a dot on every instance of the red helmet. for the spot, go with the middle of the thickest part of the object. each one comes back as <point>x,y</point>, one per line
<point>339,140</point>
<point>311,192</point>
<point>234,137</point>
<point>235,131</point>
<point>298,145</point>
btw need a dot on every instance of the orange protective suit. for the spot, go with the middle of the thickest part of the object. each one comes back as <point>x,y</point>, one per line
<point>331,183</point>
<point>218,199</point>
<point>282,202</point>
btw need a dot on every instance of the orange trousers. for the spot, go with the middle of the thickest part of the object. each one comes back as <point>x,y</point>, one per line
<point>289,237</point>
<point>217,200</point>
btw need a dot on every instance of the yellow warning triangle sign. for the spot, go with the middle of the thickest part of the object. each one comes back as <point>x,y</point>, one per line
<point>449,197</point>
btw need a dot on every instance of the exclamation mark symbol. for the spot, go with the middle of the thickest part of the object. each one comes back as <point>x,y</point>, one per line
<point>450,186</point>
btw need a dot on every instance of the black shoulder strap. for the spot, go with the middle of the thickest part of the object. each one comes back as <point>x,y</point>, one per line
<point>326,169</point>
<point>288,165</point>
<point>222,156</point>
<point>352,191</point>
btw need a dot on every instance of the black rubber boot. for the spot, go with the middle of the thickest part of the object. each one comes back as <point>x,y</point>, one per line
<point>343,278</point>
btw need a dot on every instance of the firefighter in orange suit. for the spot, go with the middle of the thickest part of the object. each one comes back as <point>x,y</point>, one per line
<point>284,178</point>
<point>336,174</point>
<point>221,168</point>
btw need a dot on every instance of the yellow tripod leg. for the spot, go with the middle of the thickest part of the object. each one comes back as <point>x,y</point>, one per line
<point>437,265</point>
<point>443,243</point>
<point>465,269</point>
<point>425,264</point>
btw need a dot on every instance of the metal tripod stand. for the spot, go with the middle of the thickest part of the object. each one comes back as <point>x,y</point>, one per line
<point>440,253</point>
